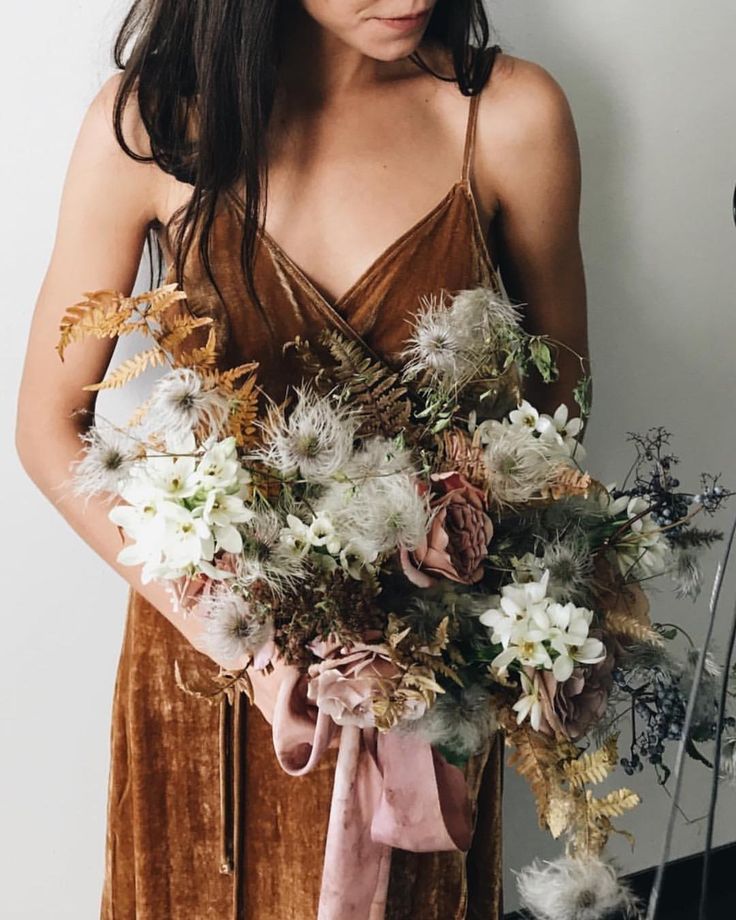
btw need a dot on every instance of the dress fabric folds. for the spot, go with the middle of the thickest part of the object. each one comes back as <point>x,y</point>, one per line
<point>202,822</point>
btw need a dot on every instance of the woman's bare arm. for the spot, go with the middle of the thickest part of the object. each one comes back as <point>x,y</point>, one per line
<point>528,153</point>
<point>108,203</point>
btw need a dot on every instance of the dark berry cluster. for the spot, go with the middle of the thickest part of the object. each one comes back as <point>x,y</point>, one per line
<point>657,715</point>
<point>654,480</point>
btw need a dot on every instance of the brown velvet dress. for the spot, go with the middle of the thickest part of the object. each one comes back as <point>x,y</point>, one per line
<point>202,822</point>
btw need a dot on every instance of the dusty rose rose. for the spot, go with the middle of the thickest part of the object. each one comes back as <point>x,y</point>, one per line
<point>570,708</point>
<point>348,679</point>
<point>458,536</point>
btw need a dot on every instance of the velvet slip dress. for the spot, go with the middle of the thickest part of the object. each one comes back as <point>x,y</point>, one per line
<point>201,820</point>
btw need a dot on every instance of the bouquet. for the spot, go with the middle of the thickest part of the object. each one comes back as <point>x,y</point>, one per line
<point>420,552</point>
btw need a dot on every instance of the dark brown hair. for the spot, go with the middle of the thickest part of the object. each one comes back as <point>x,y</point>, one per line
<point>214,64</point>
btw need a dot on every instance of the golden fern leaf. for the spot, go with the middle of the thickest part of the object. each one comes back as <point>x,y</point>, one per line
<point>536,757</point>
<point>613,805</point>
<point>129,369</point>
<point>138,415</point>
<point>244,412</point>
<point>160,299</point>
<point>629,627</point>
<point>179,328</point>
<point>460,452</point>
<point>592,768</point>
<point>226,683</point>
<point>205,356</point>
<point>438,665</point>
<point>102,314</point>
<point>567,481</point>
<point>227,379</point>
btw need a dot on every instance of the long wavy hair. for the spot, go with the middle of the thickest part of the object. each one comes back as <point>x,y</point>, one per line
<point>205,73</point>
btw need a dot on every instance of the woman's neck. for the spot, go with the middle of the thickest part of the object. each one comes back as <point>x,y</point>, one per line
<point>317,64</point>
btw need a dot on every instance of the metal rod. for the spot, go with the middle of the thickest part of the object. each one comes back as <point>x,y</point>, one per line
<point>681,749</point>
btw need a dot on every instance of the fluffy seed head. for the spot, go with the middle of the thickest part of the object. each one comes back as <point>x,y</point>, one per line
<point>181,403</point>
<point>518,465</point>
<point>232,629</point>
<point>108,459</point>
<point>583,888</point>
<point>315,439</point>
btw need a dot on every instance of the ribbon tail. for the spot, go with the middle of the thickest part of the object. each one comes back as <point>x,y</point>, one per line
<point>424,804</point>
<point>356,868</point>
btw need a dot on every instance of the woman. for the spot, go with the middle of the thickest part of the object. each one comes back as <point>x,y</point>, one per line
<point>395,160</point>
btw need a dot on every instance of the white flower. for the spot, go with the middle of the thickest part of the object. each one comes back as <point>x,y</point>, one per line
<point>524,416</point>
<point>187,538</point>
<point>221,512</point>
<point>109,457</point>
<point>560,423</point>
<point>536,631</point>
<point>219,468</point>
<point>484,314</point>
<point>174,474</point>
<point>316,439</point>
<point>580,888</point>
<point>452,341</point>
<point>526,647</point>
<point>181,403</point>
<point>613,507</point>
<point>529,703</point>
<point>507,615</point>
<point>320,532</point>
<point>295,534</point>
<point>567,627</point>
<point>561,432</point>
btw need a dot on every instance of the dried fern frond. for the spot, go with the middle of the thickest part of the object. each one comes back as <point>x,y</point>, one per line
<point>130,369</point>
<point>536,757</point>
<point>368,385</point>
<point>458,451</point>
<point>107,314</point>
<point>614,804</point>
<point>178,328</point>
<point>625,626</point>
<point>202,356</point>
<point>241,422</point>
<point>594,767</point>
<point>225,683</point>
<point>567,481</point>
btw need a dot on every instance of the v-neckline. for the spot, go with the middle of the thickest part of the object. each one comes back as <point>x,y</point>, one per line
<point>370,270</point>
<point>335,305</point>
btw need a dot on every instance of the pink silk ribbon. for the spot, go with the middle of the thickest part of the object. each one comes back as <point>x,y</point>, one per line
<point>391,789</point>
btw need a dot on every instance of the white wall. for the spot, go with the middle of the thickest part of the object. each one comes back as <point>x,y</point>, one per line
<point>651,87</point>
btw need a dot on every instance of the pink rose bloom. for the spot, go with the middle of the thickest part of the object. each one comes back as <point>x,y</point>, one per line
<point>347,680</point>
<point>569,709</point>
<point>458,537</point>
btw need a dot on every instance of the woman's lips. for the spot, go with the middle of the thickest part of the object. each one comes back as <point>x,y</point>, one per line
<point>405,23</point>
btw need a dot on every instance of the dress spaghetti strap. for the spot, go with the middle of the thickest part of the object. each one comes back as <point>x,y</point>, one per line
<point>473,118</point>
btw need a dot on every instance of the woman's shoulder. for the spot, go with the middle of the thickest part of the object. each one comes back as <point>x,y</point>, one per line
<point>135,166</point>
<point>524,87</point>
